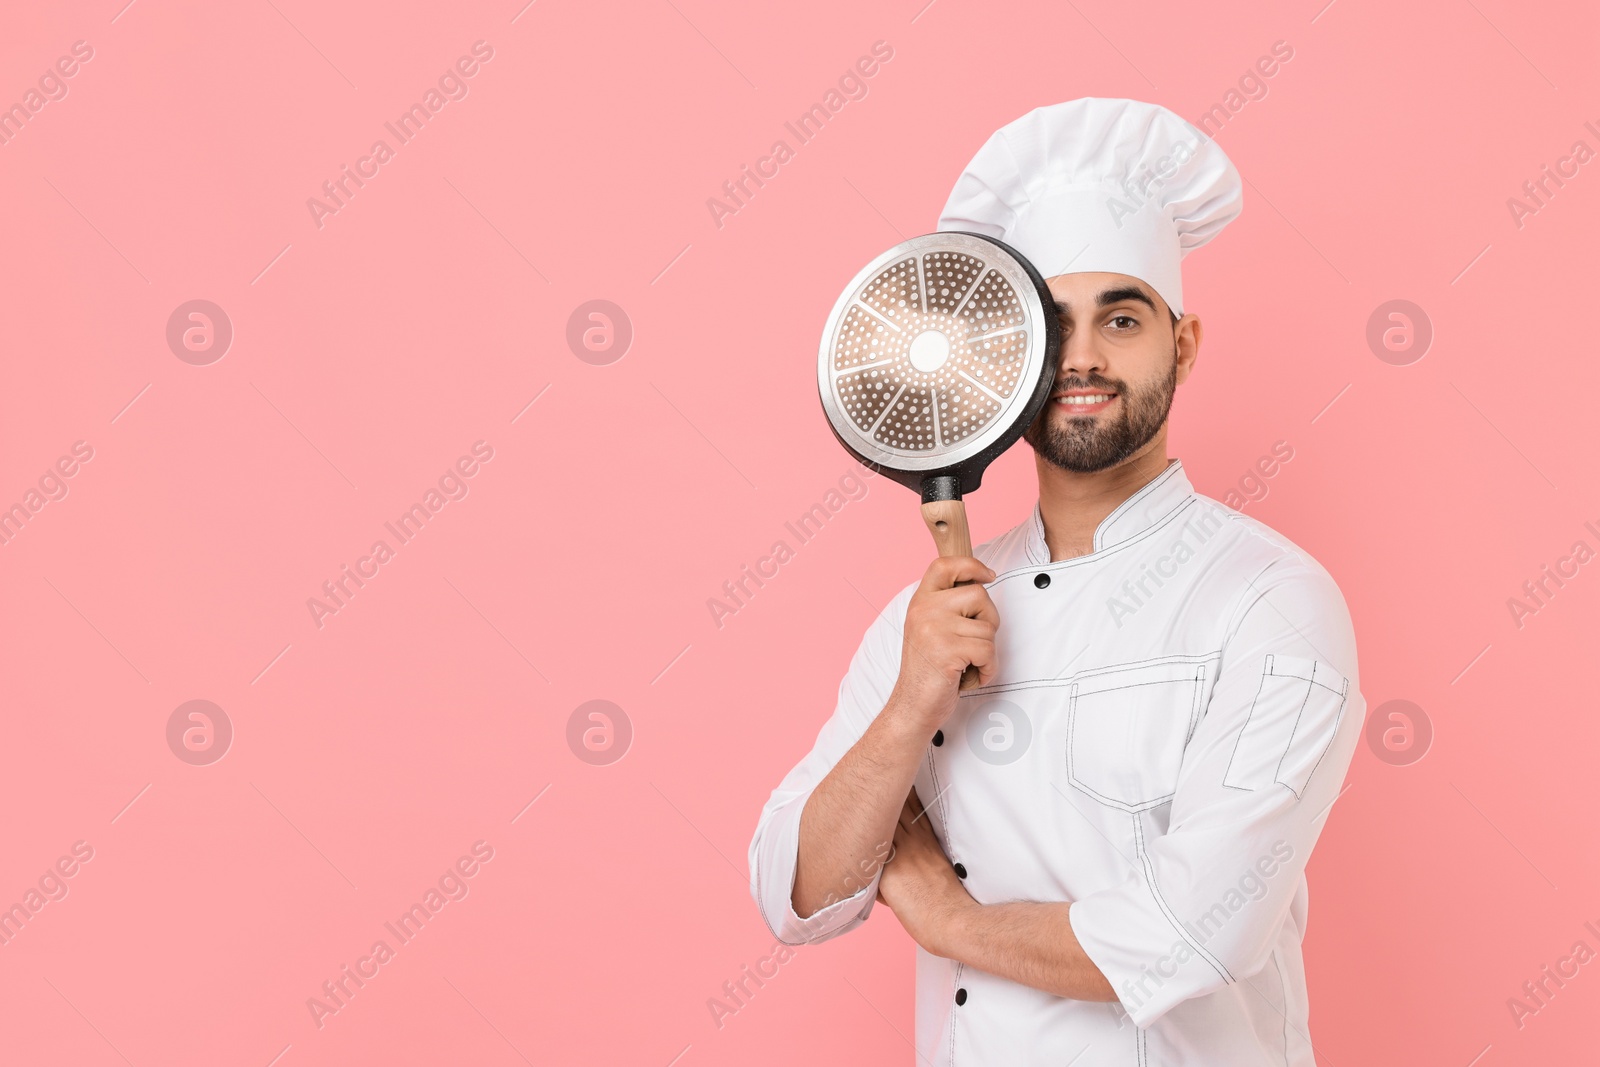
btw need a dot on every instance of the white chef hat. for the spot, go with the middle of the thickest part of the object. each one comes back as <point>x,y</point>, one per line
<point>1099,185</point>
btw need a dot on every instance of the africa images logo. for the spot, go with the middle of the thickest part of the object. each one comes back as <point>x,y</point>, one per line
<point>451,85</point>
<point>453,484</point>
<point>851,85</point>
<point>452,886</point>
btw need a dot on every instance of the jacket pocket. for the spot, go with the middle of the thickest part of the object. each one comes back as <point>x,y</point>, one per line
<point>1291,723</point>
<point>1127,727</point>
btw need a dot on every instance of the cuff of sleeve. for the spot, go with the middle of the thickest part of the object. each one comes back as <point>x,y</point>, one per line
<point>782,852</point>
<point>1151,966</point>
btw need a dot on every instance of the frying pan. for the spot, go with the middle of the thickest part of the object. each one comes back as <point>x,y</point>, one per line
<point>936,358</point>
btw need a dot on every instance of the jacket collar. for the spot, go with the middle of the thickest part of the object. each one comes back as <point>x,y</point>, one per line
<point>1154,501</point>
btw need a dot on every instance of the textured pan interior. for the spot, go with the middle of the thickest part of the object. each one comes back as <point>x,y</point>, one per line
<point>932,351</point>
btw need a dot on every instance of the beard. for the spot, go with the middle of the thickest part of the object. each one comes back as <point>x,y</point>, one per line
<point>1088,443</point>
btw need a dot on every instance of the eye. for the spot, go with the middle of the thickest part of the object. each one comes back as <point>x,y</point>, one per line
<point>1122,322</point>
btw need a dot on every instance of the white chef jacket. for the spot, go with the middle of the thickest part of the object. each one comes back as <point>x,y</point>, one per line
<point>1171,721</point>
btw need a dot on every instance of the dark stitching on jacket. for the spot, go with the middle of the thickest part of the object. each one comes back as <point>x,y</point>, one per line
<point>1196,680</point>
<point>1095,672</point>
<point>953,1009</point>
<point>1072,719</point>
<point>1337,719</point>
<point>1277,772</point>
<point>1166,909</point>
<point>938,798</point>
<point>1245,729</point>
<point>1269,671</point>
<point>1195,707</point>
<point>761,899</point>
<point>1283,986</point>
<point>1315,663</point>
<point>1099,554</point>
<point>1265,674</point>
<point>1147,490</point>
<point>1035,523</point>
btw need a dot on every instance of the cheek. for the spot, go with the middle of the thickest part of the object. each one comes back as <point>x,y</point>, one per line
<point>1142,379</point>
<point>1147,357</point>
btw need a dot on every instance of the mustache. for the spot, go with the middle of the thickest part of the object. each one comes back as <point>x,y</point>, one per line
<point>1094,381</point>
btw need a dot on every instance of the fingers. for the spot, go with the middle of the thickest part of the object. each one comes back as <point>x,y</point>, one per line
<point>963,603</point>
<point>978,629</point>
<point>911,820</point>
<point>972,601</point>
<point>947,627</point>
<point>980,654</point>
<point>946,571</point>
<point>906,819</point>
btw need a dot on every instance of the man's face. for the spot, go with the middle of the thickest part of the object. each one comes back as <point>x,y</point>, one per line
<point>1120,365</point>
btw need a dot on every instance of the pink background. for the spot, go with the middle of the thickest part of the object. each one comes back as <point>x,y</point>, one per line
<point>368,354</point>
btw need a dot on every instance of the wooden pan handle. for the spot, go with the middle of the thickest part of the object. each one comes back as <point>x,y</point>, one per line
<point>947,521</point>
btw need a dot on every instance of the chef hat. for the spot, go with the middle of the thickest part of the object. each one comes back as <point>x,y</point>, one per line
<point>1099,185</point>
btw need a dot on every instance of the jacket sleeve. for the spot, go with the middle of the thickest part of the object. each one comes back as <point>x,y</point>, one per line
<point>1205,902</point>
<point>774,851</point>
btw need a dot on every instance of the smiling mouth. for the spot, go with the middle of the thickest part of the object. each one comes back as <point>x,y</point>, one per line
<point>1084,403</point>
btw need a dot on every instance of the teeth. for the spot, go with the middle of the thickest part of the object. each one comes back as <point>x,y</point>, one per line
<point>1097,398</point>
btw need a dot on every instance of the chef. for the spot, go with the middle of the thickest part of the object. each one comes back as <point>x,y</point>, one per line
<point>1100,851</point>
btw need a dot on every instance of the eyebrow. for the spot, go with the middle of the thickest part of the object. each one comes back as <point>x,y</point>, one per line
<point>1108,297</point>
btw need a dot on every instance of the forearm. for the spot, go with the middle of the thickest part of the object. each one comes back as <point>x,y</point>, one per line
<point>847,826</point>
<point>1030,943</point>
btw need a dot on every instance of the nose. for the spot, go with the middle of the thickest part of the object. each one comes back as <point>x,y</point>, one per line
<point>1080,356</point>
